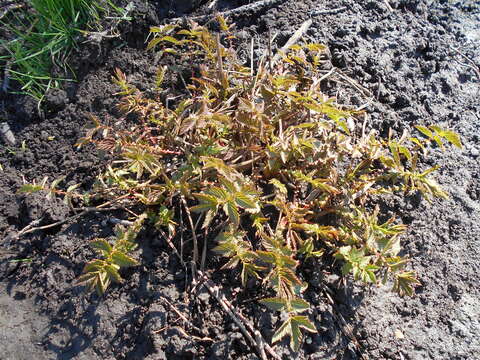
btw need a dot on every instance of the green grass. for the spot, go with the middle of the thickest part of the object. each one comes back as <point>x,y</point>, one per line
<point>44,37</point>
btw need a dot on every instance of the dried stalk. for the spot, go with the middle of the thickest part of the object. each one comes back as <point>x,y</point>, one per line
<point>32,226</point>
<point>328,11</point>
<point>249,7</point>
<point>260,344</point>
<point>295,37</point>
<point>194,235</point>
<point>355,84</point>
<point>389,7</point>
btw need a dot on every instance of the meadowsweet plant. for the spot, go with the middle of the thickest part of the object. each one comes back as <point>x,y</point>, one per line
<point>98,274</point>
<point>287,172</point>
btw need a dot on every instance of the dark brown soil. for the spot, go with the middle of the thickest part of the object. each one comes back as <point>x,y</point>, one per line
<point>421,63</point>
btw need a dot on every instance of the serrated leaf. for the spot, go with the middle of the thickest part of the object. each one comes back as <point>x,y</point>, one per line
<point>203,207</point>
<point>275,304</point>
<point>372,277</point>
<point>30,188</point>
<point>94,265</point>
<point>284,330</point>
<point>123,260</point>
<point>232,212</point>
<point>100,284</point>
<point>347,267</point>
<point>207,202</point>
<point>296,336</point>
<point>219,165</point>
<point>267,256</point>
<point>304,323</point>
<point>228,185</point>
<point>452,138</point>
<point>217,193</point>
<point>84,278</point>
<point>224,248</point>
<point>299,305</point>
<point>113,273</point>
<point>405,282</point>
<point>101,244</point>
<point>231,263</point>
<point>164,29</point>
<point>324,231</point>
<point>208,218</point>
<point>425,131</point>
<point>279,186</point>
<point>245,202</point>
<point>250,269</point>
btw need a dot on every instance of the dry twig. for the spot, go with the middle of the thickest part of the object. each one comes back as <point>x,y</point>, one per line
<point>328,11</point>
<point>32,226</point>
<point>259,343</point>
<point>295,37</point>
<point>471,64</point>
<point>389,7</point>
<point>183,317</point>
<point>194,235</point>
<point>354,83</point>
<point>249,7</point>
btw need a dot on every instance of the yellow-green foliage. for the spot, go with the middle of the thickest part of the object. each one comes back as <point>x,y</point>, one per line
<point>286,168</point>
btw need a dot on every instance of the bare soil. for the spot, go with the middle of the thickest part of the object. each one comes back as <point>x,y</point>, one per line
<point>420,62</point>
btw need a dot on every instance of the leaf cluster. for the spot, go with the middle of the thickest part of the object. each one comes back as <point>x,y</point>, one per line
<point>52,190</point>
<point>99,273</point>
<point>262,150</point>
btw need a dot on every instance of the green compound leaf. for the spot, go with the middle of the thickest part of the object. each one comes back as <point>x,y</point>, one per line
<point>113,273</point>
<point>85,278</point>
<point>123,260</point>
<point>245,202</point>
<point>405,282</point>
<point>94,265</point>
<point>304,323</point>
<point>102,245</point>
<point>452,138</point>
<point>299,305</point>
<point>232,212</point>
<point>30,188</point>
<point>282,331</point>
<point>296,336</point>
<point>101,283</point>
<point>275,304</point>
<point>425,131</point>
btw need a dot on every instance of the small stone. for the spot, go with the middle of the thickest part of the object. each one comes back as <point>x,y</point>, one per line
<point>44,135</point>
<point>399,335</point>
<point>474,152</point>
<point>7,133</point>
